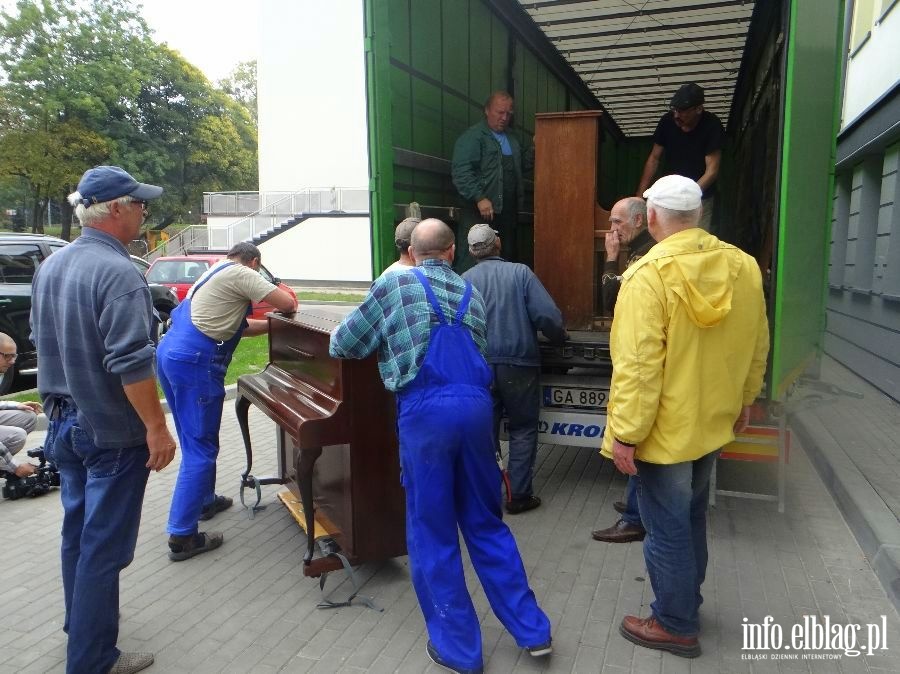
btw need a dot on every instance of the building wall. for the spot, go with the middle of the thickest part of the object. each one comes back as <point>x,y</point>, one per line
<point>875,53</point>
<point>312,95</point>
<point>863,312</point>
<point>312,131</point>
<point>321,249</point>
<point>863,304</point>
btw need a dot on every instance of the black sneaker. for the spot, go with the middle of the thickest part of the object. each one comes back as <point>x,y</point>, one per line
<point>438,660</point>
<point>541,649</point>
<point>185,547</point>
<point>219,504</point>
<point>521,505</point>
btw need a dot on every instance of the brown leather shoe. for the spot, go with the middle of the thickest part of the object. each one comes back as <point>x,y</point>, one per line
<point>620,507</point>
<point>648,633</point>
<point>620,532</point>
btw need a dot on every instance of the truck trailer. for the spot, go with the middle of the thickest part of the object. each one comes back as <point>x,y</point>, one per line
<point>388,86</point>
<point>771,70</point>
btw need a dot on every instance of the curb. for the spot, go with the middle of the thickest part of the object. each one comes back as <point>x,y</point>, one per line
<point>873,524</point>
<point>230,394</point>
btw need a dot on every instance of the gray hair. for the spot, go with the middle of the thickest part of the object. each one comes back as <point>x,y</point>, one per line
<point>691,217</point>
<point>403,233</point>
<point>245,252</point>
<point>636,207</point>
<point>480,251</point>
<point>88,215</point>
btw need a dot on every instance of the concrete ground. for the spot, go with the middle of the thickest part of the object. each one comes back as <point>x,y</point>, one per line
<point>247,607</point>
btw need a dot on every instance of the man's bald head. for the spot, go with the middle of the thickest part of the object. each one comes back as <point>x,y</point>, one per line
<point>432,239</point>
<point>7,345</point>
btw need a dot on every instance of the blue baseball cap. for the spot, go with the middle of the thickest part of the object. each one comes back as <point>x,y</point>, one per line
<point>105,183</point>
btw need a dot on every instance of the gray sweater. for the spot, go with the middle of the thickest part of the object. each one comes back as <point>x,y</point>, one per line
<point>517,306</point>
<point>91,320</point>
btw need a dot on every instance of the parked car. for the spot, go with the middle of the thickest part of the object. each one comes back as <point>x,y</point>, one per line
<point>164,298</point>
<point>180,272</point>
<point>20,255</point>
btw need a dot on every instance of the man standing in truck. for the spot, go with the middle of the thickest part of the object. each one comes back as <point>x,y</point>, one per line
<point>427,326</point>
<point>487,172</point>
<point>628,226</point>
<point>516,307</point>
<point>689,343</point>
<point>691,139</point>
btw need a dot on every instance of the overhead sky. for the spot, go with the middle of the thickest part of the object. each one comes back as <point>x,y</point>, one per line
<point>214,35</point>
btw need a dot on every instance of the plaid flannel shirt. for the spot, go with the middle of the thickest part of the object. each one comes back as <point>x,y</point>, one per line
<point>396,319</point>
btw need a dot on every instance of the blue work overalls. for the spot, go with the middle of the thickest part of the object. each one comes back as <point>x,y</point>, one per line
<point>191,368</point>
<point>451,478</point>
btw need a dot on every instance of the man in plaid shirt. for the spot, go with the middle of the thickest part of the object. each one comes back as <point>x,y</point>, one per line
<point>428,327</point>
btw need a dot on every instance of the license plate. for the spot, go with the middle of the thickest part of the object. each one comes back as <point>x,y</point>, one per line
<point>583,398</point>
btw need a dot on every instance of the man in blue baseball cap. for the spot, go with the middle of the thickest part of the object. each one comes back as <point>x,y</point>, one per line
<point>93,324</point>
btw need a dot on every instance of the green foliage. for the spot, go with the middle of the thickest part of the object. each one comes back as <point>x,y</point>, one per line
<point>241,86</point>
<point>84,83</point>
<point>316,296</point>
<point>250,357</point>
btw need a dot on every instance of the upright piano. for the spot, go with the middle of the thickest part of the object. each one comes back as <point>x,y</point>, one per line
<point>336,441</point>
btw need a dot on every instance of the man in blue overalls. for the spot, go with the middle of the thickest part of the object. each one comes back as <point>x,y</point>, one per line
<point>192,360</point>
<point>448,464</point>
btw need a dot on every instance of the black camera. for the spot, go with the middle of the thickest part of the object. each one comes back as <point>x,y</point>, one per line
<point>45,477</point>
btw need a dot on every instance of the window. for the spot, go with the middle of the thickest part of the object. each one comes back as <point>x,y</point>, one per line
<point>863,20</point>
<point>18,262</point>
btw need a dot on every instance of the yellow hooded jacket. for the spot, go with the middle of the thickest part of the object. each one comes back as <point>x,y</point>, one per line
<point>689,344</point>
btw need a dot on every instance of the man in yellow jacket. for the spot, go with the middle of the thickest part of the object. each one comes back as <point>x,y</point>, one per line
<point>689,344</point>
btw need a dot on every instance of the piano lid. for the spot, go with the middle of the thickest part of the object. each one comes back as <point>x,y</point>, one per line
<point>318,318</point>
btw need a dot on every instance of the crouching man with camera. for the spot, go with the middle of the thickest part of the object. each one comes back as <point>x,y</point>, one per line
<point>17,420</point>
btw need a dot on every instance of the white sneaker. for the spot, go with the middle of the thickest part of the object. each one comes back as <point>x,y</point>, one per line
<point>128,663</point>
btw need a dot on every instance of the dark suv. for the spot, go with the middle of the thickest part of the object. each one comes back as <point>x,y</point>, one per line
<point>20,255</point>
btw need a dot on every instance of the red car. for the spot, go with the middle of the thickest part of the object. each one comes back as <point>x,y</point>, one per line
<point>180,272</point>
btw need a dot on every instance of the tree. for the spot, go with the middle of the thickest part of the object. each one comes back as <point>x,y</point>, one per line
<point>240,85</point>
<point>49,159</point>
<point>76,92</point>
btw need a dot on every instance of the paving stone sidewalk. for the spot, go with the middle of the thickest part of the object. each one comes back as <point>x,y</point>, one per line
<point>248,608</point>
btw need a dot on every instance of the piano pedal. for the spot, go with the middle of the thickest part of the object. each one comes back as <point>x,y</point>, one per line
<point>327,547</point>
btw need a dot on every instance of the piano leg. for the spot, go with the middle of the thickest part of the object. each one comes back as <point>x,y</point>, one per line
<point>306,461</point>
<point>242,408</point>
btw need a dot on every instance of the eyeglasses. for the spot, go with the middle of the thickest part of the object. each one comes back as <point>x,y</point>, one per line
<point>145,208</point>
<point>9,356</point>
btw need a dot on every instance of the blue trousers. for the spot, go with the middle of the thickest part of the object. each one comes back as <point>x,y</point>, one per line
<point>673,500</point>
<point>192,375</point>
<point>632,514</point>
<point>452,484</point>
<point>517,392</point>
<point>102,491</point>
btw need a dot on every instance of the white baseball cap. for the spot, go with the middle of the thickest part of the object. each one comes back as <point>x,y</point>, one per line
<point>676,193</point>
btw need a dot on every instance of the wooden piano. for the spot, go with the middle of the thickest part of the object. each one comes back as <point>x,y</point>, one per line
<point>336,441</point>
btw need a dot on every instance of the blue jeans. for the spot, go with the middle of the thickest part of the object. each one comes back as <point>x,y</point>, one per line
<point>673,500</point>
<point>517,391</point>
<point>102,491</point>
<point>632,514</point>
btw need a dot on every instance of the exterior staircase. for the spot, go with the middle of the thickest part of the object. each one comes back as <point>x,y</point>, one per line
<point>280,212</point>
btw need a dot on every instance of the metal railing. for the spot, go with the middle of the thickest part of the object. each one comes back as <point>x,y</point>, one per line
<point>278,207</point>
<point>290,204</point>
<point>193,237</point>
